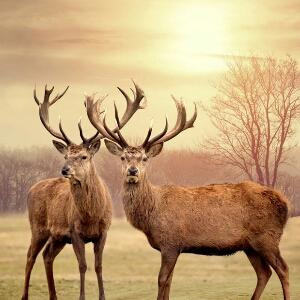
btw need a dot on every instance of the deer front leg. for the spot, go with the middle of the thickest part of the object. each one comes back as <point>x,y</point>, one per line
<point>37,243</point>
<point>168,261</point>
<point>168,287</point>
<point>52,249</point>
<point>79,249</point>
<point>98,250</point>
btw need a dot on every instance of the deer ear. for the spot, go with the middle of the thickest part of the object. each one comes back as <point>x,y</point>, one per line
<point>62,148</point>
<point>94,146</point>
<point>154,150</point>
<point>113,148</point>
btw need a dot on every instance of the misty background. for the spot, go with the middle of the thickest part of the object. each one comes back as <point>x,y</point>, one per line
<point>167,48</point>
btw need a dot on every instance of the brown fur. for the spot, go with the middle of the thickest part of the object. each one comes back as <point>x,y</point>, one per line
<point>64,211</point>
<point>211,220</point>
<point>192,219</point>
<point>57,206</point>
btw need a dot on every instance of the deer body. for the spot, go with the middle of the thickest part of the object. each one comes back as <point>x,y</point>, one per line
<point>210,220</point>
<point>75,209</point>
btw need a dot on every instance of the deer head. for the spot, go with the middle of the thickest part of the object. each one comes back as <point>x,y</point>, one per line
<point>135,158</point>
<point>78,157</point>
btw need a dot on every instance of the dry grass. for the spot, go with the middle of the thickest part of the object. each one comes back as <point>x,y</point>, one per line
<point>131,268</point>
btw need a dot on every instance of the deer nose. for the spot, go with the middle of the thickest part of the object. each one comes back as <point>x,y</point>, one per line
<point>65,170</point>
<point>132,171</point>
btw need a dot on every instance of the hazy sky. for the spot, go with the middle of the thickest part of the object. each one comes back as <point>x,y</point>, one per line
<point>168,47</point>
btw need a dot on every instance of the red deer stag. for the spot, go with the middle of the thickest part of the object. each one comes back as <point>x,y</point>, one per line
<point>75,209</point>
<point>217,219</point>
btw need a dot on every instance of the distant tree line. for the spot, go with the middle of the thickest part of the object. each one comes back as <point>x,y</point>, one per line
<point>21,168</point>
<point>255,112</point>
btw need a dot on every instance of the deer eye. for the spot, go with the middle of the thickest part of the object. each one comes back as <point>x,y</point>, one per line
<point>122,157</point>
<point>145,158</point>
<point>84,157</point>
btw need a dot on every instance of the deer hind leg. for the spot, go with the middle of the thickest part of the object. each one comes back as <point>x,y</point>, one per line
<point>79,249</point>
<point>34,249</point>
<point>263,272</point>
<point>98,250</point>
<point>281,268</point>
<point>168,261</point>
<point>51,251</point>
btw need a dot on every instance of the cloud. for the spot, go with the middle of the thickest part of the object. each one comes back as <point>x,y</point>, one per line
<point>287,7</point>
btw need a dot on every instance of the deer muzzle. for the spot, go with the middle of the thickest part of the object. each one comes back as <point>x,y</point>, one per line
<point>67,171</point>
<point>132,175</point>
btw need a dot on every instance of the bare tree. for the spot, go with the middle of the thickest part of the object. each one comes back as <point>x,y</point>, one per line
<point>6,179</point>
<point>21,168</point>
<point>254,113</point>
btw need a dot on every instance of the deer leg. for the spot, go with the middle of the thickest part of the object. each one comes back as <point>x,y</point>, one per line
<point>168,287</point>
<point>98,250</point>
<point>168,261</point>
<point>51,251</point>
<point>281,268</point>
<point>34,249</point>
<point>263,272</point>
<point>79,249</point>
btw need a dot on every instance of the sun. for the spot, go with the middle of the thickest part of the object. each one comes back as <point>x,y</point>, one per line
<point>199,37</point>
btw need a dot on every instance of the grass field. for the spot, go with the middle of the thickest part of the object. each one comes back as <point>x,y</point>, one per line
<point>131,268</point>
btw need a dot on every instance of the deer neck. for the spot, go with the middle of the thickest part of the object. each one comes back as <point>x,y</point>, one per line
<point>88,196</point>
<point>140,203</point>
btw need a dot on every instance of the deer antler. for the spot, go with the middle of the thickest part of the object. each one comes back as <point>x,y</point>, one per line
<point>94,114</point>
<point>44,113</point>
<point>86,141</point>
<point>44,116</point>
<point>180,125</point>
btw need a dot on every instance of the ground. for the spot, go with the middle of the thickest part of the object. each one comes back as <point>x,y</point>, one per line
<point>131,267</point>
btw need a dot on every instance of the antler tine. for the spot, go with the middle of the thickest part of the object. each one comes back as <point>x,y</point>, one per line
<point>58,96</point>
<point>128,100</point>
<point>132,105</point>
<point>44,113</point>
<point>110,132</point>
<point>100,124</point>
<point>191,121</point>
<point>92,109</point>
<point>68,141</point>
<point>140,95</point>
<point>85,140</point>
<point>180,125</point>
<point>116,137</point>
<point>123,141</point>
<point>148,134</point>
<point>117,115</point>
<point>117,119</point>
<point>94,137</point>
<point>147,144</point>
<point>35,97</point>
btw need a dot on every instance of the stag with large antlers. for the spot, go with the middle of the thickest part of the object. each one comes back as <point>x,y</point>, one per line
<point>75,209</point>
<point>211,220</point>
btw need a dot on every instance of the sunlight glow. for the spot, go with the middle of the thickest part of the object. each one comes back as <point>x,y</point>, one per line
<point>200,35</point>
